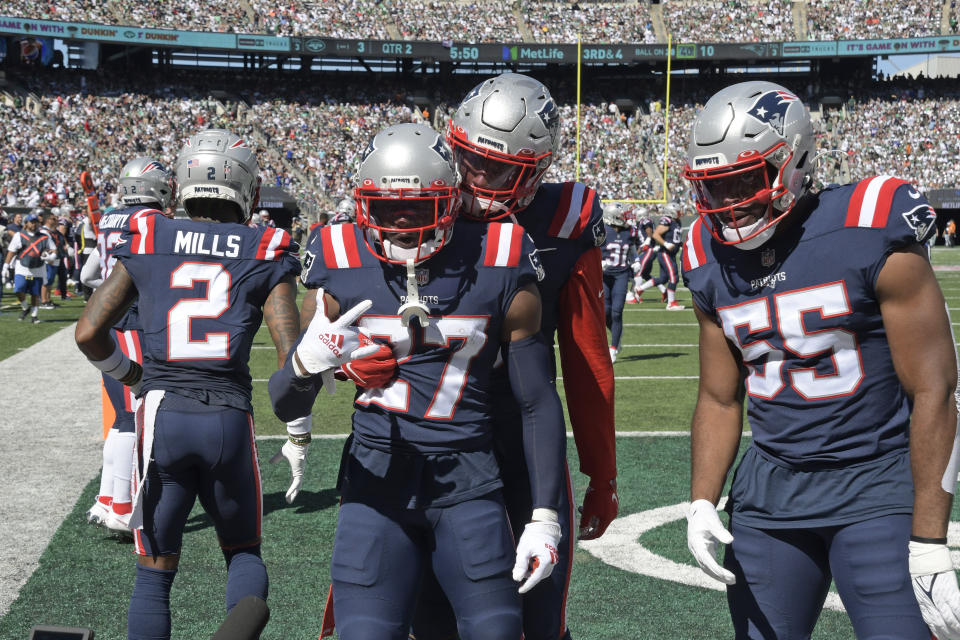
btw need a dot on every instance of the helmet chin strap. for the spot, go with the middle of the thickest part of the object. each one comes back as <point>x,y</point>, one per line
<point>478,206</point>
<point>733,234</point>
<point>413,307</point>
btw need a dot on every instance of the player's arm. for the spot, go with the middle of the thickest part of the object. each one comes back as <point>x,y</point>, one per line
<point>282,317</point>
<point>714,440</point>
<point>90,274</point>
<point>105,308</point>
<point>657,235</point>
<point>544,440</point>
<point>923,353</point>
<point>586,366</point>
<point>921,345</point>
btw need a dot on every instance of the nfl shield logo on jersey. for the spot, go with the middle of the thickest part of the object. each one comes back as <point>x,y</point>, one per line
<point>423,276</point>
<point>767,257</point>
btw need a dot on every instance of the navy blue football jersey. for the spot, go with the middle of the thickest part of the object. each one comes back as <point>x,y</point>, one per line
<point>619,249</point>
<point>565,220</point>
<point>674,232</point>
<point>803,312</point>
<point>109,231</point>
<point>440,399</point>
<point>202,286</point>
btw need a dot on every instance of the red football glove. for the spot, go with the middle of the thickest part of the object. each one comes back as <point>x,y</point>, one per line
<point>600,507</point>
<point>374,370</point>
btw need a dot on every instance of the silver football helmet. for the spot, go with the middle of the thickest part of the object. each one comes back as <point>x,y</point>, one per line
<point>617,214</point>
<point>750,158</point>
<point>219,165</point>
<point>346,212</point>
<point>407,197</point>
<point>146,181</point>
<point>504,136</point>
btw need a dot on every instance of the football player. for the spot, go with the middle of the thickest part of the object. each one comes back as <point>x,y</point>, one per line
<point>643,262</point>
<point>345,213</point>
<point>823,310</point>
<point>204,286</point>
<point>618,252</point>
<point>504,136</point>
<point>420,484</point>
<point>666,239</point>
<point>146,188</point>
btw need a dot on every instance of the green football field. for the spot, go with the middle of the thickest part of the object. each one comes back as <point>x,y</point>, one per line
<point>637,582</point>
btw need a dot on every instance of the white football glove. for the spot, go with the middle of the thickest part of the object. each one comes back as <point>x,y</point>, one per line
<point>704,530</point>
<point>327,345</point>
<point>647,242</point>
<point>296,455</point>
<point>935,587</point>
<point>537,550</point>
<point>6,273</point>
<point>669,246</point>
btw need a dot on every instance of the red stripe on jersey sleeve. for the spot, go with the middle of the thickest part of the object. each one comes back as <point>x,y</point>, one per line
<point>148,239</point>
<point>350,245</point>
<point>856,203</point>
<point>265,239</point>
<point>516,240</point>
<point>586,209</point>
<point>326,243</point>
<point>494,229</point>
<point>563,207</point>
<point>885,201</point>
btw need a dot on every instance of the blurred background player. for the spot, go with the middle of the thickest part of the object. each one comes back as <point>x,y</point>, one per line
<point>419,478</point>
<point>146,188</point>
<point>823,310</point>
<point>29,248</point>
<point>643,263</point>
<point>504,136</point>
<point>346,212</point>
<point>667,238</point>
<point>619,253</point>
<point>205,284</point>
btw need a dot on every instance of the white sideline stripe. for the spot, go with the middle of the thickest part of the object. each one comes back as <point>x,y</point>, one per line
<point>40,487</point>
<point>660,324</point>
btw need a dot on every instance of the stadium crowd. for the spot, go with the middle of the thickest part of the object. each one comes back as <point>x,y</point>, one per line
<point>309,136</point>
<point>488,21</point>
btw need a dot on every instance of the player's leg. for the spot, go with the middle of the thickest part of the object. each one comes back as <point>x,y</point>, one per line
<point>782,580</point>
<point>124,404</point>
<point>668,265</point>
<point>473,559</point>
<point>101,507</point>
<point>230,491</point>
<point>644,280</point>
<point>616,301</point>
<point>869,563</point>
<point>608,282</point>
<point>378,558</point>
<point>169,491</point>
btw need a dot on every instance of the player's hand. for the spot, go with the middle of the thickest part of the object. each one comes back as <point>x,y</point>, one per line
<point>600,507</point>
<point>669,246</point>
<point>537,552</point>
<point>327,345</point>
<point>296,455</point>
<point>704,530</point>
<point>646,242</point>
<point>935,587</point>
<point>371,371</point>
<point>656,248</point>
<point>6,273</point>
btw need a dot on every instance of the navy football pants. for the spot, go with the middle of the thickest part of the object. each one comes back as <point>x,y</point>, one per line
<point>669,274</point>
<point>783,576</point>
<point>206,452</point>
<point>615,294</point>
<point>380,556</point>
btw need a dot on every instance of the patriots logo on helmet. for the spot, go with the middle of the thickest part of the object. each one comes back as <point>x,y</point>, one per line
<point>151,166</point>
<point>442,149</point>
<point>921,219</point>
<point>771,108</point>
<point>473,93</point>
<point>549,115</point>
<point>239,144</point>
<point>366,152</point>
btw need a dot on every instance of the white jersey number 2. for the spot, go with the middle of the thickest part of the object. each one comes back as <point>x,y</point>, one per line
<point>766,379</point>
<point>213,346</point>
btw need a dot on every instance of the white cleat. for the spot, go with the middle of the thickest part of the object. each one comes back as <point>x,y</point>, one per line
<point>675,306</point>
<point>613,354</point>
<point>98,513</point>
<point>118,523</point>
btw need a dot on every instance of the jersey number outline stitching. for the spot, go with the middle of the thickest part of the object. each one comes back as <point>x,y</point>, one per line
<point>765,380</point>
<point>214,345</point>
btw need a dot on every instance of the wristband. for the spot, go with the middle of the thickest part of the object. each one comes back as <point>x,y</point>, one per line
<point>300,426</point>
<point>928,540</point>
<point>117,365</point>
<point>542,514</point>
